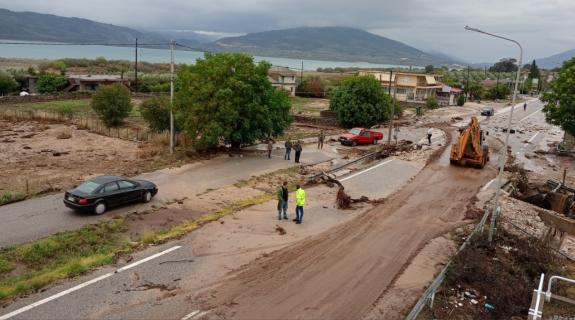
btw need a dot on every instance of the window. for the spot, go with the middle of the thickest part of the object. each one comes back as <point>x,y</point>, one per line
<point>110,187</point>
<point>401,91</point>
<point>88,187</point>
<point>126,184</point>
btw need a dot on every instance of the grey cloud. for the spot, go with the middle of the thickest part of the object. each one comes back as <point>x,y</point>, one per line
<point>543,26</point>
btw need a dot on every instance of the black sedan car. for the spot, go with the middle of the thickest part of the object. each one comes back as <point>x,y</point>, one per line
<point>98,194</point>
<point>487,111</point>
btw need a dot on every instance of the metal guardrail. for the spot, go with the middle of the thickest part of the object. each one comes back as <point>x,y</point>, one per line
<point>343,166</point>
<point>429,294</point>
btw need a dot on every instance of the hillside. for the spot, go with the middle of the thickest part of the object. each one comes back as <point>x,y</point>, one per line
<point>555,61</point>
<point>45,27</point>
<point>329,43</point>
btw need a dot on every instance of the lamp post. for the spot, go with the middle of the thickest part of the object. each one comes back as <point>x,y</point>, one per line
<point>503,156</point>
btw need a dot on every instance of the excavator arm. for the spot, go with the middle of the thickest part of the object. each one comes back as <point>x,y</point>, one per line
<point>469,149</point>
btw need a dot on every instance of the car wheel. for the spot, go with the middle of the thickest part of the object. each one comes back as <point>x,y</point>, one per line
<point>374,141</point>
<point>100,208</point>
<point>354,143</point>
<point>147,197</point>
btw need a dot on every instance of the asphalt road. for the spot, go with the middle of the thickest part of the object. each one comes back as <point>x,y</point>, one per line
<point>39,217</point>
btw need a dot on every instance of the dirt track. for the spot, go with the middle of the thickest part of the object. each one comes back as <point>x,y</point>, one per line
<point>339,274</point>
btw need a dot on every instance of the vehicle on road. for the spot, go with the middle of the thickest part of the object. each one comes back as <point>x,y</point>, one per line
<point>98,194</point>
<point>357,136</point>
<point>488,111</point>
<point>469,149</point>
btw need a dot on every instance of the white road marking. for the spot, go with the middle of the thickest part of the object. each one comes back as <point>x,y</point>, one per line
<point>529,116</point>
<point>364,171</point>
<point>194,315</point>
<point>83,285</point>
<point>535,135</point>
<point>485,187</point>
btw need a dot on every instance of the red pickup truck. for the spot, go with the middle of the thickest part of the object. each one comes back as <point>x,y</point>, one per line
<point>357,136</point>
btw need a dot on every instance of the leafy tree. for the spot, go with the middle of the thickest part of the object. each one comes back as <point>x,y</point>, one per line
<point>534,72</point>
<point>499,92</point>
<point>226,96</point>
<point>505,65</point>
<point>156,112</point>
<point>360,101</point>
<point>50,83</point>
<point>7,83</point>
<point>112,103</point>
<point>475,90</point>
<point>560,99</point>
<point>429,69</point>
<point>432,103</point>
<point>311,87</point>
<point>461,100</point>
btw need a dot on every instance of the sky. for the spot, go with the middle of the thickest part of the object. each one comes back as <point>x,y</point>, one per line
<point>543,27</point>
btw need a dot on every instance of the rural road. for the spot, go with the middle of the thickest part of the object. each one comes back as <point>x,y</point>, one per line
<point>340,273</point>
<point>36,218</point>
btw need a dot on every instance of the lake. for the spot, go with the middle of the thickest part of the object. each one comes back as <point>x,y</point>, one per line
<point>29,51</point>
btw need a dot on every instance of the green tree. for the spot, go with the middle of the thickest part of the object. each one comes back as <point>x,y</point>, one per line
<point>560,98</point>
<point>50,83</point>
<point>429,68</point>
<point>7,83</point>
<point>112,103</point>
<point>505,65</point>
<point>156,112</point>
<point>311,87</point>
<point>226,96</point>
<point>499,92</point>
<point>432,103</point>
<point>475,90</point>
<point>360,101</point>
<point>461,100</point>
<point>534,72</point>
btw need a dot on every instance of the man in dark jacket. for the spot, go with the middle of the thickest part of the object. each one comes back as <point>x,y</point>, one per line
<point>288,146</point>
<point>283,194</point>
<point>297,148</point>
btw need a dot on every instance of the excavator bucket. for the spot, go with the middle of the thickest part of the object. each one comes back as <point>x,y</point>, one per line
<point>469,149</point>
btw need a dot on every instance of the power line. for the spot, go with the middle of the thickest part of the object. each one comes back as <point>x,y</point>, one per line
<point>129,44</point>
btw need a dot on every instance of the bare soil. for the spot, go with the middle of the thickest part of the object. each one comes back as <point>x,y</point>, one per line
<point>55,156</point>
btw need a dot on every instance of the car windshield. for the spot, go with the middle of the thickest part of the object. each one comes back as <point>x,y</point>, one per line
<point>355,131</point>
<point>88,187</point>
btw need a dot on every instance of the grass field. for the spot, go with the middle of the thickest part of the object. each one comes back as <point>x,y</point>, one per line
<point>312,105</point>
<point>72,107</point>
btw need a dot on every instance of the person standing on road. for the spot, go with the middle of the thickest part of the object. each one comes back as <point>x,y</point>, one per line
<point>283,194</point>
<point>429,134</point>
<point>270,148</point>
<point>320,139</point>
<point>525,106</point>
<point>300,202</point>
<point>297,148</point>
<point>288,146</point>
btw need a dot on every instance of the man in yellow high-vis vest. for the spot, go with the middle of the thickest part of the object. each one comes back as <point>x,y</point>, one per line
<point>300,202</point>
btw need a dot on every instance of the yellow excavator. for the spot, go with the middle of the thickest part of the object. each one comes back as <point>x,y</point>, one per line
<point>470,150</point>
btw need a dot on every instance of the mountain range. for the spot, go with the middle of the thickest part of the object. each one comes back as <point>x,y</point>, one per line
<point>324,43</point>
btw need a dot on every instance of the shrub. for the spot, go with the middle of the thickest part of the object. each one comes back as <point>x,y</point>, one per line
<point>360,101</point>
<point>432,103</point>
<point>50,83</point>
<point>112,103</point>
<point>461,100</point>
<point>311,87</point>
<point>156,112</point>
<point>7,83</point>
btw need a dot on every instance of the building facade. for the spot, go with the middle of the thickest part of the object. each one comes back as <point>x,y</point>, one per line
<point>283,78</point>
<point>410,87</point>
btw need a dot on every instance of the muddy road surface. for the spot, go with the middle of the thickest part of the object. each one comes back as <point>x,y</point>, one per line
<point>340,273</point>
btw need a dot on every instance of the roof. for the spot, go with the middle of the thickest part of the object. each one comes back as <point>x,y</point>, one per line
<point>106,179</point>
<point>282,71</point>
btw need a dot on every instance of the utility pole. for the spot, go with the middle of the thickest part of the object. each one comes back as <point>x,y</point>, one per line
<point>172,45</point>
<point>136,68</point>
<point>301,74</point>
<point>497,86</point>
<point>467,85</point>
<point>392,105</point>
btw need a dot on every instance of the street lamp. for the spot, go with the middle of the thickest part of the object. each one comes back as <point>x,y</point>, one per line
<point>503,156</point>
